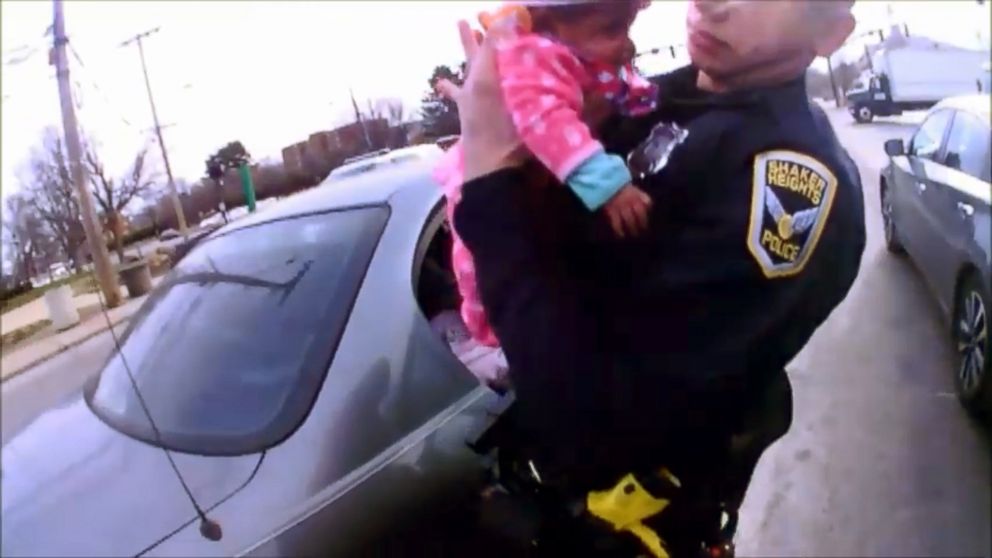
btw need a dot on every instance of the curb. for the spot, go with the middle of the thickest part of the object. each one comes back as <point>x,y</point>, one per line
<point>62,349</point>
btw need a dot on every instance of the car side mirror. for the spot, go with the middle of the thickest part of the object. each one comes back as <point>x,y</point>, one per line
<point>895,148</point>
<point>953,160</point>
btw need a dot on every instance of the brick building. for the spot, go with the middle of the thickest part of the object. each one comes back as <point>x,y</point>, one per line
<point>333,146</point>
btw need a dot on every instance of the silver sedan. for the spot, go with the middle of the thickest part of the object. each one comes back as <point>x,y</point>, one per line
<point>299,401</point>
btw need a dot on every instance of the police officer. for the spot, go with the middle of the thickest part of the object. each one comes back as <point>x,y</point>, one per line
<point>669,350</point>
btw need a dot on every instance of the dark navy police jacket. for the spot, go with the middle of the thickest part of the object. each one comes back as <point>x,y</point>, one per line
<point>628,353</point>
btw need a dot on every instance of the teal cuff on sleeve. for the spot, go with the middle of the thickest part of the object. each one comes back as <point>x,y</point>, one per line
<point>598,179</point>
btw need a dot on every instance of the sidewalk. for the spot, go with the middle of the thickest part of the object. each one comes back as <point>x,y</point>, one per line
<point>24,356</point>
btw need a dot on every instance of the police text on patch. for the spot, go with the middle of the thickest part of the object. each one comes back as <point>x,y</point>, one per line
<point>791,196</point>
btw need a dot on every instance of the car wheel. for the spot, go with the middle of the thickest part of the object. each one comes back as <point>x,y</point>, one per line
<point>973,349</point>
<point>892,243</point>
<point>863,114</point>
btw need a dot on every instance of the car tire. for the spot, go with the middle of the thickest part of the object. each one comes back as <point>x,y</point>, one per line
<point>892,242</point>
<point>972,346</point>
<point>863,114</point>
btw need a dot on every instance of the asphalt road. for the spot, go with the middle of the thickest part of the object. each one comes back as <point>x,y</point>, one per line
<point>880,461</point>
<point>51,383</point>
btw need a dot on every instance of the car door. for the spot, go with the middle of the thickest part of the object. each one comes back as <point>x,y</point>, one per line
<point>383,451</point>
<point>925,148</point>
<point>956,188</point>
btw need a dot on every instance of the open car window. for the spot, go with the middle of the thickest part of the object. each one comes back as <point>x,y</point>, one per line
<point>439,301</point>
<point>230,350</point>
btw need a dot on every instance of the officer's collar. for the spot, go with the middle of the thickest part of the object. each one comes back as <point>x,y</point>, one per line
<point>680,87</point>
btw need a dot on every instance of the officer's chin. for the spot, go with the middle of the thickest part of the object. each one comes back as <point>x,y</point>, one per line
<point>714,67</point>
<point>700,60</point>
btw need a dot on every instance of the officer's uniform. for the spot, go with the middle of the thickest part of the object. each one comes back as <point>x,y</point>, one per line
<point>629,354</point>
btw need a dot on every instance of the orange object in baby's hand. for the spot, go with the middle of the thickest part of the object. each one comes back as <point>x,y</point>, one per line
<point>522,15</point>
<point>628,211</point>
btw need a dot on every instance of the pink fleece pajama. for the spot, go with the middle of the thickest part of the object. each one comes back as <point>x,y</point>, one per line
<point>544,85</point>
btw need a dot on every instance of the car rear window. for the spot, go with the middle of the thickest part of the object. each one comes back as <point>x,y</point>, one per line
<point>356,170</point>
<point>407,157</point>
<point>230,350</point>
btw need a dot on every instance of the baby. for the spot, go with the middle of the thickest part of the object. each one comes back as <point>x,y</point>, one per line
<point>565,53</point>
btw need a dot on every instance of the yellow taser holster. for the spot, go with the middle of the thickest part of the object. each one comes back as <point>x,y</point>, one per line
<point>627,505</point>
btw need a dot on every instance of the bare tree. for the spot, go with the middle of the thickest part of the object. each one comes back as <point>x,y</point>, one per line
<point>113,196</point>
<point>390,113</point>
<point>396,116</point>
<point>151,217</point>
<point>30,245</point>
<point>16,248</point>
<point>818,84</point>
<point>52,197</point>
<point>846,74</point>
<point>395,113</point>
<point>390,110</point>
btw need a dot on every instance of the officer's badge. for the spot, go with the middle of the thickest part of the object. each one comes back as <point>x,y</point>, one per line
<point>652,154</point>
<point>791,195</point>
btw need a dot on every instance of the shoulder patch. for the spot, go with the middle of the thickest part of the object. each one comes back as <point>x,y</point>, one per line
<point>791,197</point>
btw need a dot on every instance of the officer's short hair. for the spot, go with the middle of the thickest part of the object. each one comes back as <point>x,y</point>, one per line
<point>829,8</point>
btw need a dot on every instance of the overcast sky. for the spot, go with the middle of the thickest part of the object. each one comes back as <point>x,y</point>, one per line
<point>271,73</point>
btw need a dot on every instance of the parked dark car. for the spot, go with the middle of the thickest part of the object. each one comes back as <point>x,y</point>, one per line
<point>168,234</point>
<point>305,402</point>
<point>935,195</point>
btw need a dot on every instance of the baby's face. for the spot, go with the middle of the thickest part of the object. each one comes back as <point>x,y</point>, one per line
<point>604,37</point>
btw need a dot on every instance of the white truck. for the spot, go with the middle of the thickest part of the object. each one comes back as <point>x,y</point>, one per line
<point>912,77</point>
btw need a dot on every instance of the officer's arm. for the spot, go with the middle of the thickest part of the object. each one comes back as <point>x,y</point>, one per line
<point>537,308</point>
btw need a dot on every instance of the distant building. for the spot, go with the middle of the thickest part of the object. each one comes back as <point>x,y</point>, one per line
<point>293,156</point>
<point>337,144</point>
<point>142,221</point>
<point>354,138</point>
<point>321,146</point>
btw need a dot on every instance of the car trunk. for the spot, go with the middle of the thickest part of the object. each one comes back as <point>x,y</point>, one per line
<point>72,486</point>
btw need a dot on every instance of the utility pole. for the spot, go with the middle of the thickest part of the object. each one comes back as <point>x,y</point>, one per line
<point>98,248</point>
<point>871,65</point>
<point>173,193</point>
<point>361,121</point>
<point>833,82</point>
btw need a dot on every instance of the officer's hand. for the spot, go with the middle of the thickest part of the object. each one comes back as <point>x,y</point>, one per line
<point>628,211</point>
<point>489,140</point>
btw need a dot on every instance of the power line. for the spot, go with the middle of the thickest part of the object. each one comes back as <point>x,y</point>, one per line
<point>23,52</point>
<point>77,99</point>
<point>17,49</point>
<point>19,58</point>
<point>97,87</point>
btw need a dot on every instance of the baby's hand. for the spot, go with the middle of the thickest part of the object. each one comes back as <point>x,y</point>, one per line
<point>628,211</point>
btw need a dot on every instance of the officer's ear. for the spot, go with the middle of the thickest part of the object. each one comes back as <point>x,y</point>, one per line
<point>833,27</point>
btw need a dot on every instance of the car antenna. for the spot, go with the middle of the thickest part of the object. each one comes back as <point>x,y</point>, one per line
<point>209,528</point>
